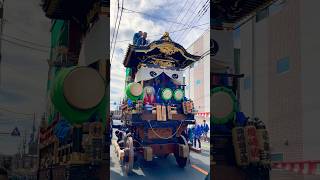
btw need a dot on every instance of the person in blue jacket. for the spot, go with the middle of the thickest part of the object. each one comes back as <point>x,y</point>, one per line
<point>142,41</point>
<point>136,37</point>
<point>205,130</point>
<point>197,135</point>
<point>190,134</point>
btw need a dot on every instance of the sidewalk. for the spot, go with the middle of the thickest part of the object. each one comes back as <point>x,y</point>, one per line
<point>205,146</point>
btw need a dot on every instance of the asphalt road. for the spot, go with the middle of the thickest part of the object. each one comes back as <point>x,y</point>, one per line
<point>164,168</point>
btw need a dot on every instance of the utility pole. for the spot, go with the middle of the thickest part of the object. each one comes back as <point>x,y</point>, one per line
<point>33,127</point>
<point>24,141</point>
<point>1,29</point>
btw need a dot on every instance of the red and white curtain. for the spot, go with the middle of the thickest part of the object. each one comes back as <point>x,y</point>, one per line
<point>203,114</point>
<point>302,167</point>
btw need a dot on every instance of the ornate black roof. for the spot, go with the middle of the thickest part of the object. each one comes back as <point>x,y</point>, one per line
<point>163,52</point>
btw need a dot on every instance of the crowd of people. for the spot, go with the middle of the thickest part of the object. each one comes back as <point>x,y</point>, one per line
<point>198,132</point>
<point>140,39</point>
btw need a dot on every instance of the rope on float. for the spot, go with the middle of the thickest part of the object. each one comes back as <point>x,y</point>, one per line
<point>165,137</point>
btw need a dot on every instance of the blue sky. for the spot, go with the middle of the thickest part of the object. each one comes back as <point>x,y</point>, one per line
<point>151,21</point>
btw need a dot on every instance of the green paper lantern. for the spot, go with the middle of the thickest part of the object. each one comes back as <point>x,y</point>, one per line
<point>166,94</point>
<point>75,109</point>
<point>134,91</point>
<point>224,105</point>
<point>178,94</point>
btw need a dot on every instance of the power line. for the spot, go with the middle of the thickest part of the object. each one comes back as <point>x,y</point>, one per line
<point>13,120</point>
<point>163,19</point>
<point>115,24</point>
<point>198,14</point>
<point>26,46</point>
<point>17,116</point>
<point>180,13</point>
<point>204,11</point>
<point>185,15</point>
<point>170,32</point>
<point>15,112</point>
<point>114,47</point>
<point>30,42</point>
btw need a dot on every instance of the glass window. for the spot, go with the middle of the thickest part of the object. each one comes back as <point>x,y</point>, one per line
<point>277,157</point>
<point>283,65</point>
<point>247,83</point>
<point>198,82</point>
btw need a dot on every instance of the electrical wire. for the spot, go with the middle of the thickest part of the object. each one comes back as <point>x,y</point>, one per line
<point>15,119</point>
<point>12,118</point>
<point>155,17</point>
<point>25,46</point>
<point>192,21</point>
<point>114,47</point>
<point>187,23</point>
<point>26,41</point>
<point>115,24</point>
<point>190,30</point>
<point>179,13</point>
<point>169,32</point>
<point>15,112</point>
<point>185,15</point>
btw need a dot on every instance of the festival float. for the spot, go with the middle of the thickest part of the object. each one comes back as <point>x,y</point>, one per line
<point>240,145</point>
<point>155,111</point>
<point>74,135</point>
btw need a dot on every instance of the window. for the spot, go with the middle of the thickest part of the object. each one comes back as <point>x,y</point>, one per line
<point>198,82</point>
<point>277,157</point>
<point>283,65</point>
<point>247,83</point>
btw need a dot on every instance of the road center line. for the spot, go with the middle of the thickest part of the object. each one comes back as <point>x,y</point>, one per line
<point>199,169</point>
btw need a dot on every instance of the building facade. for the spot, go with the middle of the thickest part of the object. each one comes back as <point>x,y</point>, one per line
<point>278,56</point>
<point>197,77</point>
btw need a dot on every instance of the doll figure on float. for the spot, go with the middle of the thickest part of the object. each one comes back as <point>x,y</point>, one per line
<point>149,96</point>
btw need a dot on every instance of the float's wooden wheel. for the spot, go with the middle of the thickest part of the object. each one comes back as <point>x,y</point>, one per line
<point>182,161</point>
<point>129,152</point>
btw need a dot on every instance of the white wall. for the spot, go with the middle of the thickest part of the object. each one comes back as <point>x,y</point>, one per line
<point>246,68</point>
<point>310,44</point>
<point>274,98</point>
<point>261,69</point>
<point>200,93</point>
<point>224,39</point>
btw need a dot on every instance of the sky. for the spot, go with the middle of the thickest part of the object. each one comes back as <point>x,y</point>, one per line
<point>155,18</point>
<point>23,69</point>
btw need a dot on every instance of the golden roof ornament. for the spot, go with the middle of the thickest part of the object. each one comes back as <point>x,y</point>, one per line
<point>166,37</point>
